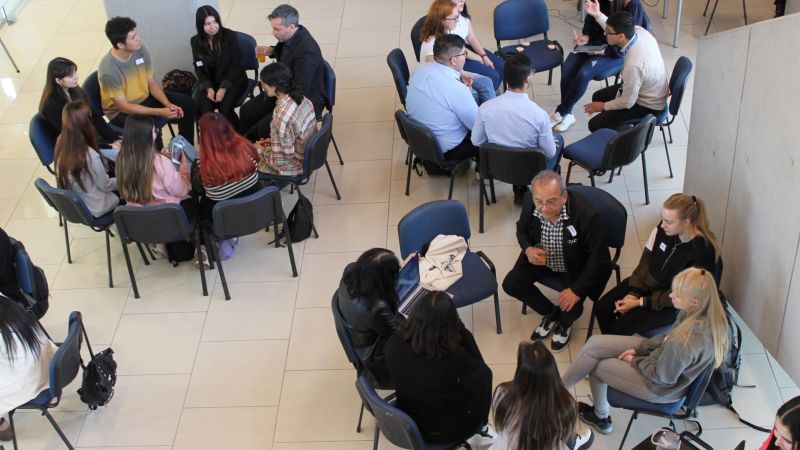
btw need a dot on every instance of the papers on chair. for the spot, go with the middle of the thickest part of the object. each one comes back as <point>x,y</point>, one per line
<point>589,49</point>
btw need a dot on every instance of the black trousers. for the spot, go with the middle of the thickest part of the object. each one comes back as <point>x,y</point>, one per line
<point>614,118</point>
<point>185,123</point>
<point>519,283</point>
<point>634,321</point>
<point>465,149</point>
<point>255,116</point>
<point>226,106</point>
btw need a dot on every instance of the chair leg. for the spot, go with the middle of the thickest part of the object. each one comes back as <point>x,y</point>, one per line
<point>171,131</point>
<point>744,9</point>
<point>13,431</point>
<point>212,244</point>
<point>108,258</point>
<point>666,150</point>
<point>711,18</point>
<point>60,221</point>
<point>360,418</point>
<point>491,187</point>
<point>66,241</point>
<point>611,178</point>
<point>58,430</point>
<point>336,147</point>
<point>591,178</point>
<point>524,309</point>
<point>199,257</point>
<point>377,437</point>
<point>130,268</point>
<point>628,429</point>
<point>569,171</point>
<point>616,270</point>
<point>452,181</point>
<point>481,201</point>
<point>706,9</point>
<point>644,175</point>
<point>141,252</point>
<point>669,131</point>
<point>408,176</point>
<point>549,77</point>
<point>289,247</point>
<point>591,325</point>
<point>333,182</point>
<point>497,313</point>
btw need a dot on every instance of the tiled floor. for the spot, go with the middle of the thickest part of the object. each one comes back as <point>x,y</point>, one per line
<point>265,369</point>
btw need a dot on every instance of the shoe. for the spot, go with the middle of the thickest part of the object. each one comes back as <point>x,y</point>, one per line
<point>583,440</point>
<point>5,431</point>
<point>560,338</point>
<point>158,250</point>
<point>544,329</point>
<point>483,438</point>
<point>565,123</point>
<point>587,415</point>
<point>555,119</point>
<point>519,194</point>
<point>203,257</point>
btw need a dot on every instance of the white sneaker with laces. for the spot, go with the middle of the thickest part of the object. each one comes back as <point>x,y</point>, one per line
<point>565,123</point>
<point>555,119</point>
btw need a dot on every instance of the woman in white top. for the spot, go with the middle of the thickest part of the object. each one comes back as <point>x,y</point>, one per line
<point>479,60</point>
<point>443,18</point>
<point>25,354</point>
<point>78,164</point>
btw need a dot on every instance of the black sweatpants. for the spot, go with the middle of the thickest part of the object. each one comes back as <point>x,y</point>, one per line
<point>185,123</point>
<point>614,118</point>
<point>635,320</point>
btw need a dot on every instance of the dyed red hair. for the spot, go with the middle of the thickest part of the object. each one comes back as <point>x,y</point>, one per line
<point>225,155</point>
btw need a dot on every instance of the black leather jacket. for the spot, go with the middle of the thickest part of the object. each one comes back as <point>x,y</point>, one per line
<point>370,324</point>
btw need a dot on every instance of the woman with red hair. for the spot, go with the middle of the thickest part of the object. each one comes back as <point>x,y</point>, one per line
<point>227,162</point>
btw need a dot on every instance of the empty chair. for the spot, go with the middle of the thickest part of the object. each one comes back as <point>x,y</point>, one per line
<point>618,149</point>
<point>677,86</point>
<point>43,139</point>
<point>399,67</point>
<point>521,19</point>
<point>425,222</point>
<point>416,39</point>
<point>247,215</point>
<point>515,166</point>
<point>330,96</point>
<point>155,224</point>
<point>247,44</point>
<point>64,368</point>
<point>70,206</point>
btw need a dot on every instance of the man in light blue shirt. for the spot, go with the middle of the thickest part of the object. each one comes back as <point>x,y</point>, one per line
<point>513,120</point>
<point>438,99</point>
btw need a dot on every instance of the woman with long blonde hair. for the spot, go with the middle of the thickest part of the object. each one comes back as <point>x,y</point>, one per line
<point>659,369</point>
<point>682,239</point>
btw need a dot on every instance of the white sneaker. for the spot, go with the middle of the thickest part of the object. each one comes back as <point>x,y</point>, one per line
<point>483,439</point>
<point>565,123</point>
<point>584,439</point>
<point>555,119</point>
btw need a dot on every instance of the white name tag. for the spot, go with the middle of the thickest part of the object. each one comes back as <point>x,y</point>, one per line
<point>663,246</point>
<point>572,231</point>
<point>139,61</point>
<point>199,64</point>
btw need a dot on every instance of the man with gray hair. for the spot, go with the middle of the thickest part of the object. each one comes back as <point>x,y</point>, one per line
<point>300,52</point>
<point>563,238</point>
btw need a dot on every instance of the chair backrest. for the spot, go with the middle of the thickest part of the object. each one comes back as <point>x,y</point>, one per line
<point>316,148</point>
<point>91,85</point>
<point>426,221</point>
<point>66,202</point>
<point>330,86</point>
<point>43,139</point>
<point>247,44</point>
<point>612,213</point>
<point>399,116</point>
<point>395,425</point>
<point>23,268</point>
<point>511,165</point>
<point>677,83</point>
<point>518,19</point>
<point>695,391</point>
<point>624,147</point>
<point>152,224</point>
<point>66,361</point>
<point>399,67</point>
<point>420,138</point>
<point>647,24</point>
<point>344,336</point>
<point>247,215</point>
<point>416,38</point>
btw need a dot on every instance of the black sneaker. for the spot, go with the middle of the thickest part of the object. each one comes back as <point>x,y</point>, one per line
<point>587,415</point>
<point>544,329</point>
<point>560,338</point>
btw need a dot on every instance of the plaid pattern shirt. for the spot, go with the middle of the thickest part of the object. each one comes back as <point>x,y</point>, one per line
<point>553,239</point>
<point>291,126</point>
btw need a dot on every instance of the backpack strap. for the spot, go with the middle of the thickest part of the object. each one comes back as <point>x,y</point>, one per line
<point>730,408</point>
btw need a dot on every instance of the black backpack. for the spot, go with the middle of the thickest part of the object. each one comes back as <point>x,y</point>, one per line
<point>180,81</point>
<point>301,219</point>
<point>99,378</point>
<point>37,302</point>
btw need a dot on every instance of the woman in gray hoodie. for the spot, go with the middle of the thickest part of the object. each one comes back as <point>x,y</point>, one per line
<point>660,369</point>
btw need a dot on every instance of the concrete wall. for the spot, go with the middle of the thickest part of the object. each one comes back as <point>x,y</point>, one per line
<point>743,159</point>
<point>165,26</point>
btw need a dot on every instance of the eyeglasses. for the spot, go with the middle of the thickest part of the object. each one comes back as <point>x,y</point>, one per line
<point>454,19</point>
<point>460,54</point>
<point>550,202</point>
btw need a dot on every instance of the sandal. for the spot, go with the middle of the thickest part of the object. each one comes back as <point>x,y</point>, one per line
<point>203,256</point>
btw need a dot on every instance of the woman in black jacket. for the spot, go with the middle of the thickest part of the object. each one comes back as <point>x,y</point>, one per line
<point>60,88</point>
<point>683,239</point>
<point>217,60</point>
<point>368,303</point>
<point>438,372</point>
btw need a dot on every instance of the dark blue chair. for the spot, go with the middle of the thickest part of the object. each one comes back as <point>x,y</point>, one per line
<point>609,150</point>
<point>72,208</point>
<point>399,67</point>
<point>683,408</point>
<point>330,96</point>
<point>247,44</point>
<point>416,38</point>
<point>243,216</point>
<point>677,86</point>
<point>520,19</point>
<point>425,222</point>
<point>63,369</point>
<point>43,139</point>
<point>397,426</point>
<point>423,144</point>
<point>156,224</point>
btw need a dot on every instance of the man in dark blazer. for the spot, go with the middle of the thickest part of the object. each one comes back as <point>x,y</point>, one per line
<point>561,237</point>
<point>300,52</point>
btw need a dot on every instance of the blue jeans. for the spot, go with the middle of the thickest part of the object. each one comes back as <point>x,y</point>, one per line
<point>576,73</point>
<point>496,74</point>
<point>482,88</point>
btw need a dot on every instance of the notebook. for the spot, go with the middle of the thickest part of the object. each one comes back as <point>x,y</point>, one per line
<point>589,49</point>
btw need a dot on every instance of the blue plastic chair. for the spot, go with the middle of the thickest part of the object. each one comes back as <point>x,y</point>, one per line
<point>416,39</point>
<point>397,426</point>
<point>63,369</point>
<point>669,411</point>
<point>449,217</point>
<point>72,208</point>
<point>43,139</point>
<point>330,95</point>
<point>399,67</point>
<point>520,19</point>
<point>677,86</point>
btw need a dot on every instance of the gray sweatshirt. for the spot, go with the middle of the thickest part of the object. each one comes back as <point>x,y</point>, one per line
<point>671,365</point>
